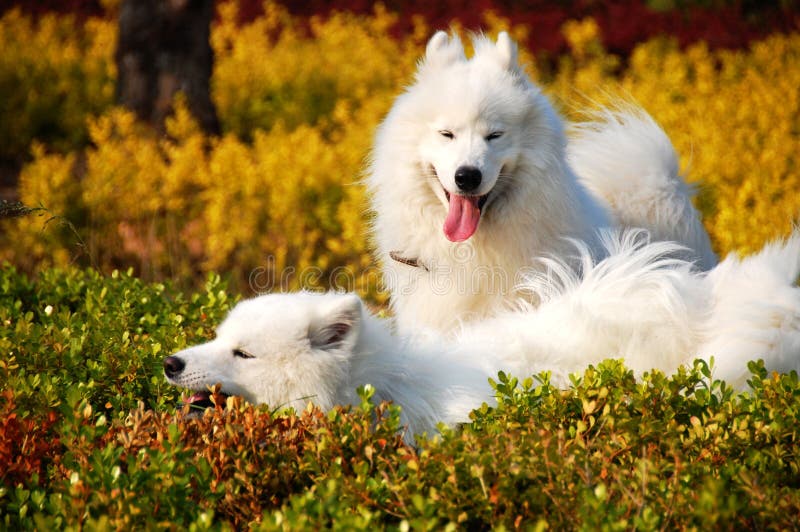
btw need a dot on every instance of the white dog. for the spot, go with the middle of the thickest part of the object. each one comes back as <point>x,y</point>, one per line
<point>289,349</point>
<point>471,178</point>
<point>639,304</point>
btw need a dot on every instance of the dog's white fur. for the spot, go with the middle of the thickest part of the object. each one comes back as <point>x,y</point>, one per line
<point>320,347</point>
<point>640,303</point>
<point>629,165</point>
<point>485,113</point>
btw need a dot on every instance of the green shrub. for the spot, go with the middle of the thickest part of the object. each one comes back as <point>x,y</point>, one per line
<point>104,338</point>
<point>92,437</point>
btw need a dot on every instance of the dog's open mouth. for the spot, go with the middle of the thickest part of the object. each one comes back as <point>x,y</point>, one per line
<point>206,399</point>
<point>463,215</point>
<point>463,212</point>
<point>481,199</point>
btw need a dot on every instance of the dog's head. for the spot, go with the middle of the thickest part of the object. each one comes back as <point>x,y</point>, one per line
<point>482,117</point>
<point>275,349</point>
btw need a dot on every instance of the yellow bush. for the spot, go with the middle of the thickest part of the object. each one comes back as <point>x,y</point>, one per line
<point>47,238</point>
<point>53,72</point>
<point>281,188</point>
<point>734,118</point>
<point>272,71</point>
<point>284,210</point>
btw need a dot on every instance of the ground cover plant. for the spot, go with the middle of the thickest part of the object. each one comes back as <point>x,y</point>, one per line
<point>120,232</point>
<point>92,437</point>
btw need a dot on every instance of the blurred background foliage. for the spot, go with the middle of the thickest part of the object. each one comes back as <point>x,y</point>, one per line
<point>276,199</point>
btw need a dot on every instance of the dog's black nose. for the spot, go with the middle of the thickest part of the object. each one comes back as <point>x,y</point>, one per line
<point>173,366</point>
<point>468,178</point>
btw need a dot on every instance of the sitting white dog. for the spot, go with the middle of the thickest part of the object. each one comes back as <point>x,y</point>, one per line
<point>640,304</point>
<point>472,177</point>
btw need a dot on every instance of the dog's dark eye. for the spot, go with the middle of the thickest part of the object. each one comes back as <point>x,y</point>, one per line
<point>242,354</point>
<point>447,134</point>
<point>494,135</point>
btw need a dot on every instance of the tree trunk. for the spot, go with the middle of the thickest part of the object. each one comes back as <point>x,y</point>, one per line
<point>164,48</point>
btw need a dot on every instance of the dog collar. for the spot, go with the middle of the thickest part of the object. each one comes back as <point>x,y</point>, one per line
<point>395,255</point>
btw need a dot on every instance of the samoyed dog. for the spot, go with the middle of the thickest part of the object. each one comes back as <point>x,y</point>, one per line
<point>471,177</point>
<point>640,303</point>
<point>291,349</point>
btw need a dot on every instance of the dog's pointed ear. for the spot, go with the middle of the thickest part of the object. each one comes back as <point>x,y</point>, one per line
<point>507,50</point>
<point>443,50</point>
<point>337,325</point>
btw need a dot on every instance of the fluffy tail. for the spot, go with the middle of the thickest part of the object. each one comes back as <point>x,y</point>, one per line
<point>632,261</point>
<point>641,303</point>
<point>756,311</point>
<point>627,161</point>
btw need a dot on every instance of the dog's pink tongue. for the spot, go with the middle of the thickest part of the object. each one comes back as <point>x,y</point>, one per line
<point>462,218</point>
<point>199,396</point>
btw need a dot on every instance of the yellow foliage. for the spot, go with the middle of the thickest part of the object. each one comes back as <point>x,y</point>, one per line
<point>52,72</point>
<point>583,37</point>
<point>277,201</point>
<point>271,70</point>
<point>734,118</point>
<point>47,180</point>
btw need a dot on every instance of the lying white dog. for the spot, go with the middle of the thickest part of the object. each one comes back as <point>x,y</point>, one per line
<point>640,304</point>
